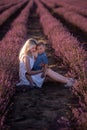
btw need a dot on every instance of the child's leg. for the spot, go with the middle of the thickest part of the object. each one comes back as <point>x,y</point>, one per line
<point>60,78</point>
<point>55,76</point>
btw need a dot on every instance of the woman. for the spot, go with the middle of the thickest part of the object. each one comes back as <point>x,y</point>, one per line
<point>27,59</point>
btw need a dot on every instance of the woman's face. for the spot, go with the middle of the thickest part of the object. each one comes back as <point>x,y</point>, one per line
<point>33,49</point>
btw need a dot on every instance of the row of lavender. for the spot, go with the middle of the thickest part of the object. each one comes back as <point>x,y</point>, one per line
<point>67,47</point>
<point>80,9</point>
<point>76,3</point>
<point>5,2</point>
<point>9,49</point>
<point>5,15</point>
<point>4,7</point>
<point>69,15</point>
<point>73,18</point>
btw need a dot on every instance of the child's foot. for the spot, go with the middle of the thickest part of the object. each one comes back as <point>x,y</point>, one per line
<point>70,82</point>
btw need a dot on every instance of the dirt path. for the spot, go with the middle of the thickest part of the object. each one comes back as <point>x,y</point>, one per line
<point>41,109</point>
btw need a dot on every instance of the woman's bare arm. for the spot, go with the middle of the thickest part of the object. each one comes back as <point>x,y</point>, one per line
<point>29,71</point>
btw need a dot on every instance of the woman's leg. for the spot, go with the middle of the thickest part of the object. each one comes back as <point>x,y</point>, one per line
<point>57,77</point>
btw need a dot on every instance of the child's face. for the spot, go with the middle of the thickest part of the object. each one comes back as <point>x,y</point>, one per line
<point>40,49</point>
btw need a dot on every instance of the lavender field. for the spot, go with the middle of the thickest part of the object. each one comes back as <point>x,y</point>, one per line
<point>62,26</point>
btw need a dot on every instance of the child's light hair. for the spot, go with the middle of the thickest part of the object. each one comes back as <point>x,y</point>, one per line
<point>26,47</point>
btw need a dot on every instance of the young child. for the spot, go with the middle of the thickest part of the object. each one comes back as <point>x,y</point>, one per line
<point>41,59</point>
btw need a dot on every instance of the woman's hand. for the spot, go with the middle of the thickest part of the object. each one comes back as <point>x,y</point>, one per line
<point>43,75</point>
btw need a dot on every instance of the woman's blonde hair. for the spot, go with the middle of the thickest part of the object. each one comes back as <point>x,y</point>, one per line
<point>26,47</point>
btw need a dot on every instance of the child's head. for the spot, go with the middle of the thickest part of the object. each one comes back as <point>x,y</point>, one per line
<point>41,47</point>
